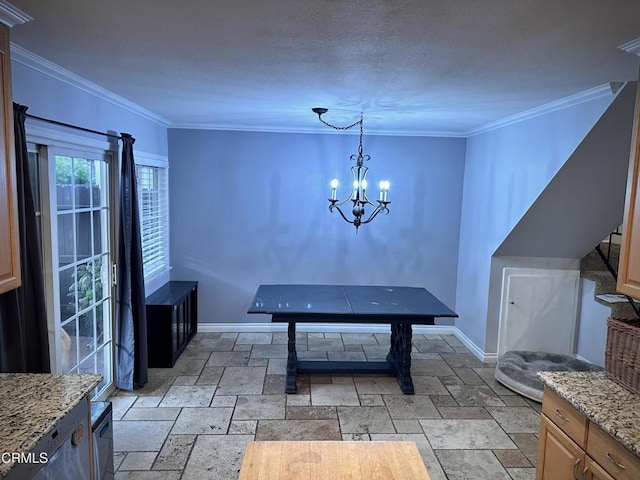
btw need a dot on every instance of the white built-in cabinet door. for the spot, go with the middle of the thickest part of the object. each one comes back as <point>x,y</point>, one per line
<point>538,310</point>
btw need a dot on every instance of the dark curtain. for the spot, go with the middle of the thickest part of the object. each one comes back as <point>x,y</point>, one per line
<point>24,342</point>
<point>131,356</point>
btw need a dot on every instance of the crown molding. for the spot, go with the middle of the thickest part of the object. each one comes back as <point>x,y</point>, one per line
<point>631,47</point>
<point>570,101</point>
<point>592,94</point>
<point>10,15</point>
<point>275,129</point>
<point>42,65</point>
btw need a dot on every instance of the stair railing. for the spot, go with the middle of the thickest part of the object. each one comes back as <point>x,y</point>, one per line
<point>607,261</point>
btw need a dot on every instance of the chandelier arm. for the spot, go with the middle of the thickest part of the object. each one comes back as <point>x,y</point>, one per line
<point>335,202</point>
<point>336,207</point>
<point>350,199</point>
<point>365,201</point>
<point>375,213</point>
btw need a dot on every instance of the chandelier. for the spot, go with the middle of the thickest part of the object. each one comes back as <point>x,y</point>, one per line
<point>359,191</point>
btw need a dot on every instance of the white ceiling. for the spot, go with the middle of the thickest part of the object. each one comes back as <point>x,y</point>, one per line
<point>414,67</point>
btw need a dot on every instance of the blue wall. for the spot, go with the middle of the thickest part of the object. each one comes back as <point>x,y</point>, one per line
<point>505,171</point>
<point>592,323</point>
<point>57,99</point>
<point>584,201</point>
<point>250,208</point>
<point>51,98</point>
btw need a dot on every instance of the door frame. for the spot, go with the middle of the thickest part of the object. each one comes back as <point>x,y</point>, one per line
<point>49,140</point>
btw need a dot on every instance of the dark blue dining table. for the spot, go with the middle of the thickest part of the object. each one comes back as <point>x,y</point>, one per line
<point>400,307</point>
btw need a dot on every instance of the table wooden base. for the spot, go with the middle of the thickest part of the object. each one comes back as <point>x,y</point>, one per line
<point>319,460</point>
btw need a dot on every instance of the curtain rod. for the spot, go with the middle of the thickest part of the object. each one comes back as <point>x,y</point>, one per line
<point>62,124</point>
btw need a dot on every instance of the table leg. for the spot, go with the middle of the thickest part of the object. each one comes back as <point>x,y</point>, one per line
<point>400,355</point>
<point>292,360</point>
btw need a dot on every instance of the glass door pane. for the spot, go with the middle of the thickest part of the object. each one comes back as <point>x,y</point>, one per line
<point>81,262</point>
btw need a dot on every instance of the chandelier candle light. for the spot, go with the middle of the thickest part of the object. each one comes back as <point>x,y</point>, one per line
<point>359,192</point>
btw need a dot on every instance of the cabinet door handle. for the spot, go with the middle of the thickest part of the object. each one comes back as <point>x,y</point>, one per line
<point>611,460</point>
<point>584,474</point>
<point>575,469</point>
<point>562,417</point>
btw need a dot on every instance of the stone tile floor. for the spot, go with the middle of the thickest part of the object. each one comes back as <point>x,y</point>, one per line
<point>192,422</point>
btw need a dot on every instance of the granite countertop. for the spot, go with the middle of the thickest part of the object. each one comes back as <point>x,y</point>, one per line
<point>31,405</point>
<point>607,404</point>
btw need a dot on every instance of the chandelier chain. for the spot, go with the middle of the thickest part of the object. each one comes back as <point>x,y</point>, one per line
<point>342,128</point>
<point>360,145</point>
<point>359,122</point>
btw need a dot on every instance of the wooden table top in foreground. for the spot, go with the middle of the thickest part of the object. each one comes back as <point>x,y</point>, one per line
<point>327,460</point>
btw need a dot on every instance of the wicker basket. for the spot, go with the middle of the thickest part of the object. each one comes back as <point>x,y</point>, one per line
<point>622,354</point>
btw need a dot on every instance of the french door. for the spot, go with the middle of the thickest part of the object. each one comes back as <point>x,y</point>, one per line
<point>79,258</point>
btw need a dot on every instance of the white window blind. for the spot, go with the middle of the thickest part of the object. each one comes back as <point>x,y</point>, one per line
<point>153,202</point>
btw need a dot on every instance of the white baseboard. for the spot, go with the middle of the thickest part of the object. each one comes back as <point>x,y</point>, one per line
<point>477,351</point>
<point>320,327</point>
<point>347,328</point>
<point>242,327</point>
<point>580,357</point>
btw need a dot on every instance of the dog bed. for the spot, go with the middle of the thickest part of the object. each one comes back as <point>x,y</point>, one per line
<point>517,370</point>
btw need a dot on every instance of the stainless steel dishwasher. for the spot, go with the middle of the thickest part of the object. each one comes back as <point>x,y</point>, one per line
<point>67,448</point>
<point>102,430</point>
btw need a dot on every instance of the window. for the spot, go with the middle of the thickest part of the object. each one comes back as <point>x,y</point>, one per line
<point>153,202</point>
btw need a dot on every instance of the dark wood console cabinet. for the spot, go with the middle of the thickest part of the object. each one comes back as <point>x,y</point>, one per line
<point>172,321</point>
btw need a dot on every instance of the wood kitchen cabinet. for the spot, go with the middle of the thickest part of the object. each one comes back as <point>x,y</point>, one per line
<point>9,239</point>
<point>629,267</point>
<point>595,472</point>
<point>572,447</point>
<point>563,439</point>
<point>559,457</point>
